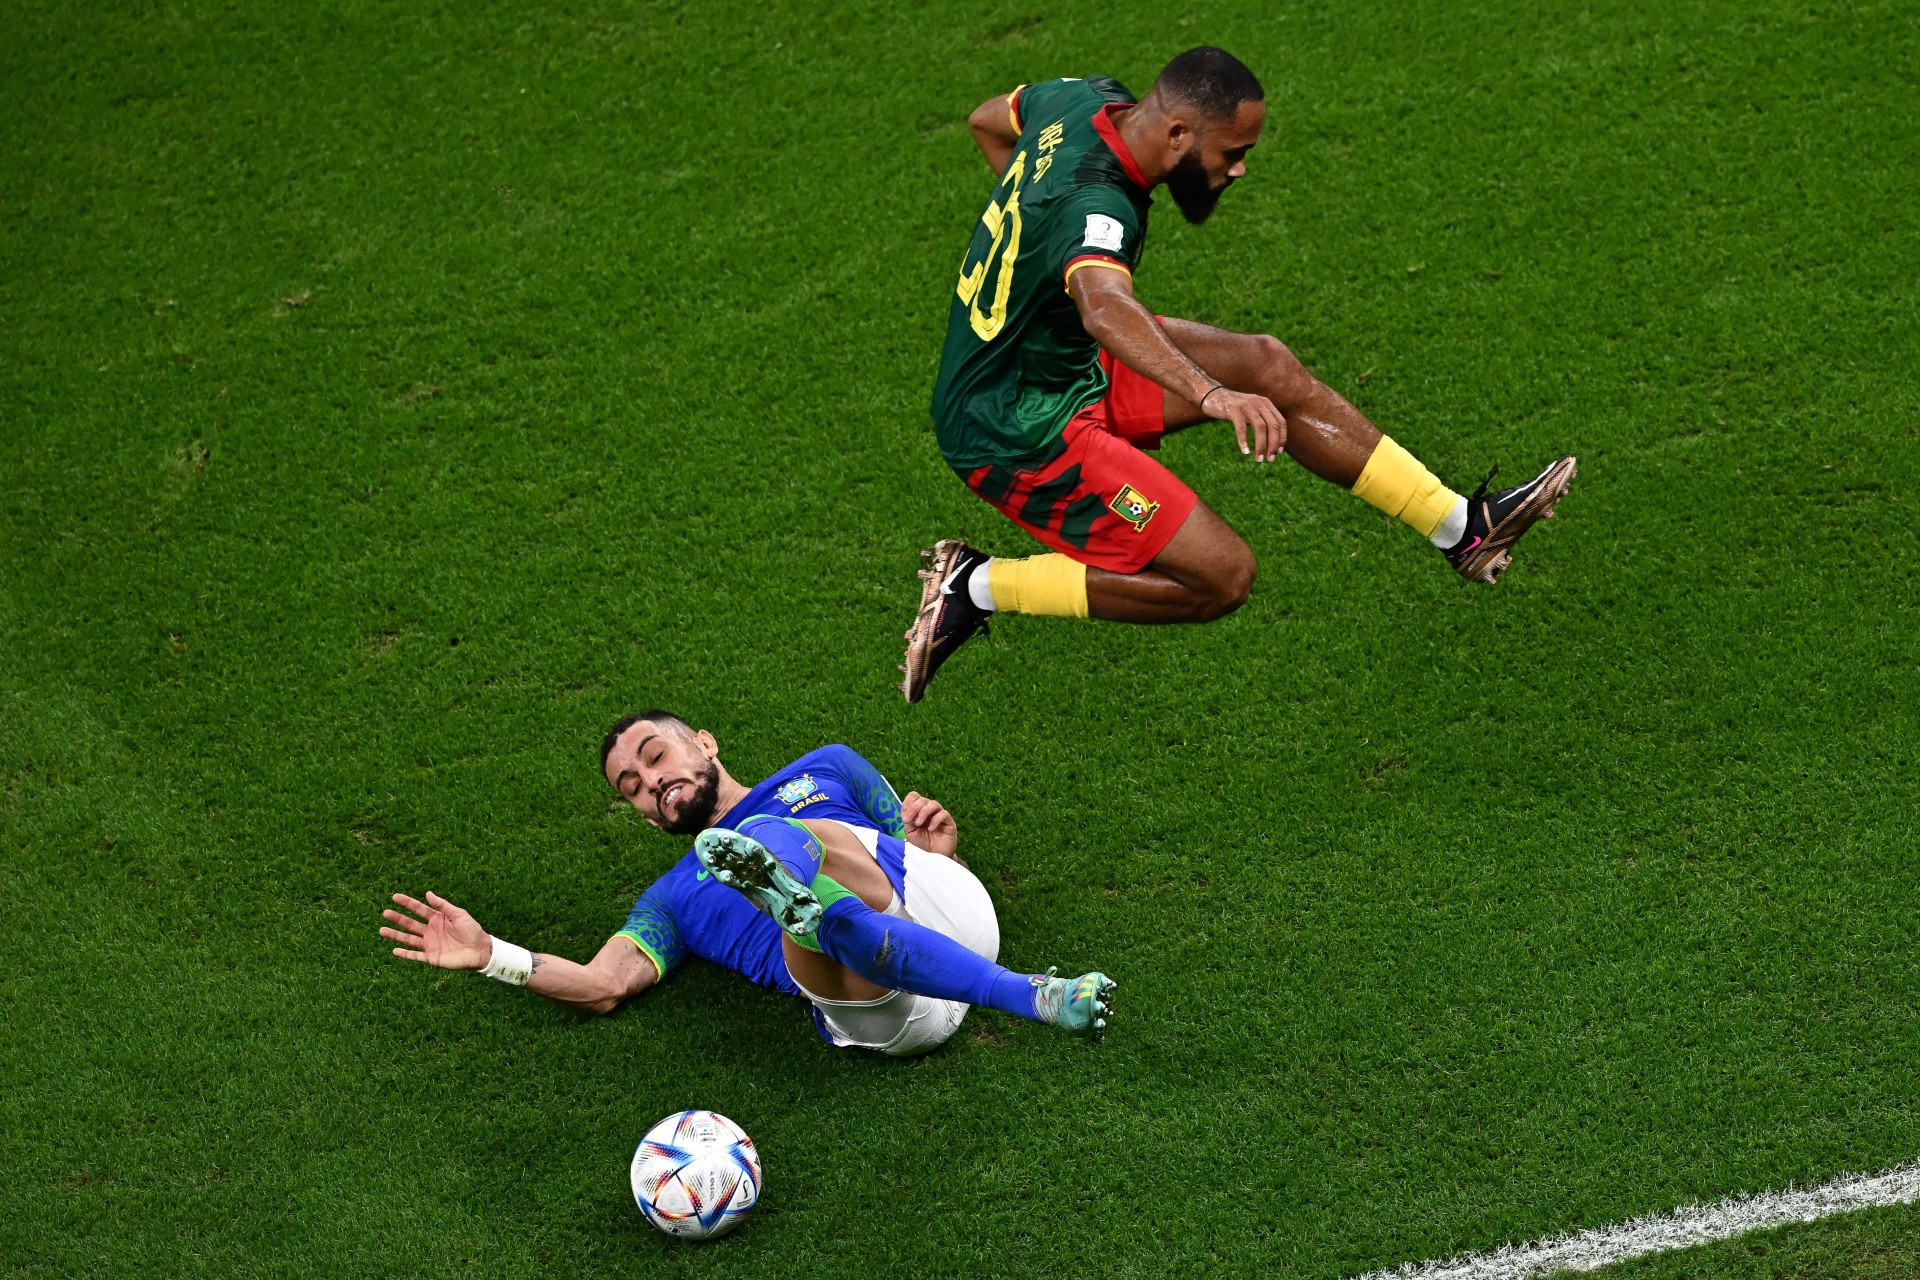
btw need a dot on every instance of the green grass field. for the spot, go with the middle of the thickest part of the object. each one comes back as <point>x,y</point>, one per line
<point>391,396</point>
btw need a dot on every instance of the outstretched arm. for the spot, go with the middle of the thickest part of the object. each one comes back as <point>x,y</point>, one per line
<point>993,131</point>
<point>1117,321</point>
<point>447,937</point>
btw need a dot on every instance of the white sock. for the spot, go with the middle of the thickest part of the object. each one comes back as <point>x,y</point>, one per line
<point>1453,528</point>
<point>977,587</point>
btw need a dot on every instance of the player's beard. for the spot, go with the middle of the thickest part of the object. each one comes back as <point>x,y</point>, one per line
<point>696,812</point>
<point>1192,193</point>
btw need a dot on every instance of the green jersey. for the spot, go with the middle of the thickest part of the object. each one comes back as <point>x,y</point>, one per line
<point>1018,363</point>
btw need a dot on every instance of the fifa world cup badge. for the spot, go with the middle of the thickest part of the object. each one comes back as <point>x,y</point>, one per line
<point>1132,505</point>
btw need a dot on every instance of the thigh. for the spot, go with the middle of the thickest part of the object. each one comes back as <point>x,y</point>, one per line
<point>1096,498</point>
<point>849,862</point>
<point>1205,549</point>
<point>930,1023</point>
<point>820,975</point>
<point>947,897</point>
<point>864,1023</point>
<point>1241,361</point>
<point>853,868</point>
<point>900,1025</point>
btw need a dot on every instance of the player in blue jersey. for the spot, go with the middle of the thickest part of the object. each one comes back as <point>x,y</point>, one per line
<point>882,929</point>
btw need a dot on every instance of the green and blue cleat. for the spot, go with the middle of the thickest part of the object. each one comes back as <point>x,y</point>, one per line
<point>743,863</point>
<point>1079,1006</point>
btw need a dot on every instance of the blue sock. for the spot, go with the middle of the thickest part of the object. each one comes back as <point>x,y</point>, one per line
<point>788,841</point>
<point>890,952</point>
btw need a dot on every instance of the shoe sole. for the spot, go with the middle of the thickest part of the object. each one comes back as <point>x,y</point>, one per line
<point>1102,1008</point>
<point>939,563</point>
<point>743,863</point>
<point>1491,558</point>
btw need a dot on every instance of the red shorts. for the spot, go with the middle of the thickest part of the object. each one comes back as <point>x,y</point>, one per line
<point>1093,494</point>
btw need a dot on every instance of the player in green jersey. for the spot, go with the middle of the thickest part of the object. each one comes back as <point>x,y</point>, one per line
<point>1055,379</point>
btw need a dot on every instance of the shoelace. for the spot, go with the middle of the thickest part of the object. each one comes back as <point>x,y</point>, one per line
<point>1481,492</point>
<point>1049,1001</point>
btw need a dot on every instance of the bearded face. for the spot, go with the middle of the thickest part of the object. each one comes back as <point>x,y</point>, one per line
<point>691,810</point>
<point>1192,188</point>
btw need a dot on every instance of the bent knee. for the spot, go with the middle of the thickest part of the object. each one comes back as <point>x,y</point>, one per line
<point>1227,587</point>
<point>1286,379</point>
<point>1236,585</point>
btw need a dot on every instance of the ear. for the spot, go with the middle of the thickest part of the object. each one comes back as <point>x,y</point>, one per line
<point>1181,138</point>
<point>708,746</point>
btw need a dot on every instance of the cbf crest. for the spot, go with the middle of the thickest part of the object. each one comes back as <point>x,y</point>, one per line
<point>798,789</point>
<point>1133,506</point>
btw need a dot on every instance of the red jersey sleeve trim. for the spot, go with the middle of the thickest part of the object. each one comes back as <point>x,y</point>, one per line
<point>1093,260</point>
<point>1103,125</point>
<point>1013,110</point>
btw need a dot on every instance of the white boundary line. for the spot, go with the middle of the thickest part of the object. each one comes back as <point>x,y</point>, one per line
<point>1663,1232</point>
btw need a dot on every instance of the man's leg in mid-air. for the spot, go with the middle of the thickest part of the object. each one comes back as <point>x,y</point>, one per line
<point>1206,569</point>
<point>1097,496</point>
<point>1334,440</point>
<point>1132,541</point>
<point>779,866</point>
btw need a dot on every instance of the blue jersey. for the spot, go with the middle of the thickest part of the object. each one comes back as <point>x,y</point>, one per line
<point>686,911</point>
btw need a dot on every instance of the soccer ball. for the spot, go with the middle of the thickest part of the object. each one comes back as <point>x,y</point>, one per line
<point>696,1175</point>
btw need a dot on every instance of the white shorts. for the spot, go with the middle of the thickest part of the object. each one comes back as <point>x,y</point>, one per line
<point>945,897</point>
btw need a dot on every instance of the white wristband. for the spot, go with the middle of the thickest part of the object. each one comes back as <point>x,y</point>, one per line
<point>509,963</point>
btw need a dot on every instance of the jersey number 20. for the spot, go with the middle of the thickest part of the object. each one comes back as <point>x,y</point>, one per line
<point>1003,220</point>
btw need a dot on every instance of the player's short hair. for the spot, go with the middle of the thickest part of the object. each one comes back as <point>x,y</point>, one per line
<point>624,723</point>
<point>1210,80</point>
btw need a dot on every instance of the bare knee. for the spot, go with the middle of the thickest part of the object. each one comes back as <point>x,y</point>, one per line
<point>1226,586</point>
<point>1236,582</point>
<point>1283,379</point>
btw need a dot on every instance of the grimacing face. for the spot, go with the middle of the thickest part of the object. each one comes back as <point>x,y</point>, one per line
<point>669,774</point>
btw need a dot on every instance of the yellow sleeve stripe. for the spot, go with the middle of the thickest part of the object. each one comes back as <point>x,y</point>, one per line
<point>1108,263</point>
<point>1013,109</point>
<point>659,965</point>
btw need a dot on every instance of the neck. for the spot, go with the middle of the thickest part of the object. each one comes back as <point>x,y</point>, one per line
<point>1143,127</point>
<point>727,793</point>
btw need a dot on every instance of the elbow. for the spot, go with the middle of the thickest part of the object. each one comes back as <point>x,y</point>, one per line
<point>1097,320</point>
<point>993,149</point>
<point>605,1000</point>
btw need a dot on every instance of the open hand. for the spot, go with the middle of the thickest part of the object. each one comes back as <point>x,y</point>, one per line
<point>929,825</point>
<point>444,936</point>
<point>1250,413</point>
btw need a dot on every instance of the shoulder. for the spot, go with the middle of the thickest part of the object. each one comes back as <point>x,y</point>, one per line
<point>1100,217</point>
<point>1064,96</point>
<point>839,755</point>
<point>819,760</point>
<point>835,758</point>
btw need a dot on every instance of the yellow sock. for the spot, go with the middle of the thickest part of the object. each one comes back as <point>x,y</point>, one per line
<point>1053,586</point>
<point>1394,481</point>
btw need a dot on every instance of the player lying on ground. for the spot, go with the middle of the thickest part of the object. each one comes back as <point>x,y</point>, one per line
<point>886,932</point>
<point>1054,378</point>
